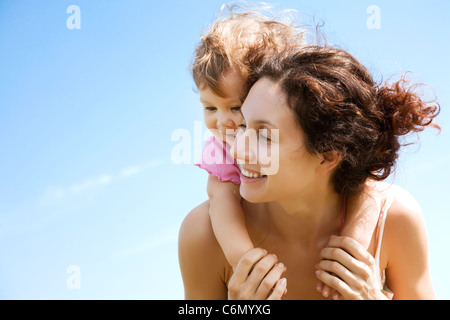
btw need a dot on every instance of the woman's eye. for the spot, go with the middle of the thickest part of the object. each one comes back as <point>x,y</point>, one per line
<point>210,108</point>
<point>263,134</point>
<point>242,126</point>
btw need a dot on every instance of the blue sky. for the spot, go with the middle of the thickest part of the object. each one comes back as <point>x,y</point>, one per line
<point>86,120</point>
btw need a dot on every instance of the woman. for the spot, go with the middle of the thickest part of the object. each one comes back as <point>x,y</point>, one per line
<point>338,132</point>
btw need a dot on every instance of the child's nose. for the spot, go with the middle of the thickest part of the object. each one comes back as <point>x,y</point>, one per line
<point>225,122</point>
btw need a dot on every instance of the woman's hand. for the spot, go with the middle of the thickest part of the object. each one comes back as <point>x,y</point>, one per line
<point>347,267</point>
<point>257,277</point>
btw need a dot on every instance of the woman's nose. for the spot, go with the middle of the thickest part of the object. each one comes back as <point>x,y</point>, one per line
<point>243,148</point>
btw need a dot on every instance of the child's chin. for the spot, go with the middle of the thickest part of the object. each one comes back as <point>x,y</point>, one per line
<point>224,137</point>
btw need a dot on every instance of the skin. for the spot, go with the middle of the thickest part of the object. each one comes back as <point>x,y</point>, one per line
<point>291,217</point>
<point>223,113</point>
<point>222,116</point>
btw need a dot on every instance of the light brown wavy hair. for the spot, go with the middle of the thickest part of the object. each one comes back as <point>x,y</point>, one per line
<point>240,41</point>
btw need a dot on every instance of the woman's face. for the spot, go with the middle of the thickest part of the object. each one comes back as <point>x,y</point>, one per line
<point>266,108</point>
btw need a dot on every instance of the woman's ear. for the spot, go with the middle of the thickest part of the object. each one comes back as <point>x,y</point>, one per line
<point>330,160</point>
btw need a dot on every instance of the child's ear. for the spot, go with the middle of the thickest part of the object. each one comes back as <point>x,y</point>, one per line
<point>330,160</point>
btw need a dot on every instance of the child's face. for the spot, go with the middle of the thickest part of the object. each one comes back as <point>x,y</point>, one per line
<point>222,114</point>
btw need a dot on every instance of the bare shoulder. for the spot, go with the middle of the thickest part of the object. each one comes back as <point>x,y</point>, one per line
<point>405,248</point>
<point>197,225</point>
<point>402,204</point>
<point>405,212</point>
<point>196,233</point>
<point>201,257</point>
<point>405,231</point>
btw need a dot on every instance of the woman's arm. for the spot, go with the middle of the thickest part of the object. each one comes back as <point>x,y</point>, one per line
<point>202,262</point>
<point>406,244</point>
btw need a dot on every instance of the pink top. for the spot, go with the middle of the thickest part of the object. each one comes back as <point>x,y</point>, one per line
<point>217,160</point>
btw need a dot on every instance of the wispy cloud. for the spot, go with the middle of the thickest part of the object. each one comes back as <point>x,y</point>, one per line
<point>131,171</point>
<point>55,194</point>
<point>36,215</point>
<point>167,236</point>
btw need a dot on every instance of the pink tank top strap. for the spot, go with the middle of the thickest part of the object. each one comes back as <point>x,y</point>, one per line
<point>378,239</point>
<point>378,236</point>
<point>380,226</point>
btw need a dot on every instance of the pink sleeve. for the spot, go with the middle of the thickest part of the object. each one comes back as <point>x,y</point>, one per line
<point>217,160</point>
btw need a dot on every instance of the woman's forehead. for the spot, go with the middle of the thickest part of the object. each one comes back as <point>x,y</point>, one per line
<point>266,103</point>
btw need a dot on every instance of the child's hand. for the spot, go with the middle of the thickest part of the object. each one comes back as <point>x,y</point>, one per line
<point>257,277</point>
<point>361,219</point>
<point>349,268</point>
<point>326,291</point>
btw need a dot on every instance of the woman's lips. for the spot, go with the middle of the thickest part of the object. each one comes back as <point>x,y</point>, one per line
<point>250,176</point>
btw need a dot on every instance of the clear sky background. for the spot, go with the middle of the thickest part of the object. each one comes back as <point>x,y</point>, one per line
<point>87,180</point>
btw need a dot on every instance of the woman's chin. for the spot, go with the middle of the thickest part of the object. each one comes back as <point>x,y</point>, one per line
<point>253,192</point>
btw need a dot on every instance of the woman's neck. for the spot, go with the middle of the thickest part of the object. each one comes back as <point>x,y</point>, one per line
<point>306,219</point>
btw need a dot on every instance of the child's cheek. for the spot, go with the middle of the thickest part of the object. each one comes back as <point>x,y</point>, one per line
<point>210,123</point>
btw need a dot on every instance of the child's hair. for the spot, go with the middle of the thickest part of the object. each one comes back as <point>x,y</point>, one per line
<point>240,43</point>
<point>340,107</point>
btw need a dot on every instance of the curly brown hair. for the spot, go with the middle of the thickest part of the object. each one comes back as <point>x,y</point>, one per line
<point>341,108</point>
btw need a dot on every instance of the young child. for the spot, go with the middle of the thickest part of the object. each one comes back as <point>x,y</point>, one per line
<point>224,59</point>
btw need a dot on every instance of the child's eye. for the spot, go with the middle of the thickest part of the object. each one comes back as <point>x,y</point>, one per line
<point>208,108</point>
<point>236,108</point>
<point>243,126</point>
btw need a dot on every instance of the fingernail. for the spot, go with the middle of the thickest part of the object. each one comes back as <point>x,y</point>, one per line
<point>280,265</point>
<point>319,287</point>
<point>317,272</point>
<point>283,282</point>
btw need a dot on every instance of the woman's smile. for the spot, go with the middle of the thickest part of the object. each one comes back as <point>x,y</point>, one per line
<point>251,175</point>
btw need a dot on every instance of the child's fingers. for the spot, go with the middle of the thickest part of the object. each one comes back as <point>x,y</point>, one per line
<point>245,264</point>
<point>325,290</point>
<point>279,290</point>
<point>319,286</point>
<point>270,281</point>
<point>336,295</point>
